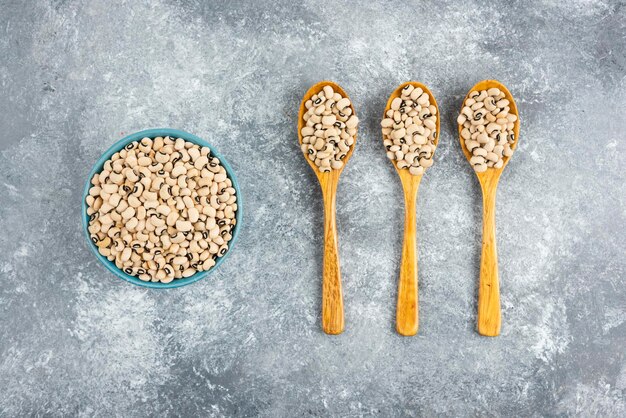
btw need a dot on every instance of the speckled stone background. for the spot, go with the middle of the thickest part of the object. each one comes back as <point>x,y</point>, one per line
<point>75,76</point>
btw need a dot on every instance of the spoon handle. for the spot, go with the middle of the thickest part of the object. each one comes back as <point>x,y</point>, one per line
<point>489,289</point>
<point>407,321</point>
<point>332,299</point>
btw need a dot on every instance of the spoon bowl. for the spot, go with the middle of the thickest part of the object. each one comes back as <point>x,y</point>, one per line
<point>489,316</point>
<point>316,88</point>
<point>407,321</point>
<point>397,93</point>
<point>486,85</point>
<point>332,296</point>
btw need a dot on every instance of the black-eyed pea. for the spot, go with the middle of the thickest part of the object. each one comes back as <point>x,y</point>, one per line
<point>200,163</point>
<point>213,247</point>
<point>215,203</point>
<point>470,145</point>
<point>178,191</point>
<point>416,93</point>
<point>220,177</point>
<point>164,210</point>
<point>128,213</point>
<point>511,117</point>
<point>115,199</point>
<point>477,105</point>
<point>476,160</point>
<point>491,156</point>
<point>116,217</point>
<point>105,219</point>
<point>502,103</point>
<point>482,138</point>
<point>156,184</point>
<point>206,181</point>
<point>420,139</point>
<point>194,153</point>
<point>480,168</point>
<point>230,213</point>
<point>426,162</point>
<point>223,250</point>
<point>179,205</point>
<point>144,277</point>
<point>188,201</point>
<point>493,127</point>
<point>141,225</point>
<point>192,214</point>
<point>156,221</point>
<point>161,275</point>
<point>219,240</point>
<point>208,211</point>
<point>149,226</point>
<point>153,238</point>
<point>132,223</point>
<point>114,232</point>
<point>142,236</point>
<point>502,112</point>
<point>104,242</point>
<point>116,178</point>
<point>489,145</point>
<point>402,163</point>
<point>208,263</point>
<point>184,226</point>
<point>204,191</point>
<point>416,170</point>
<point>125,255</point>
<point>107,188</point>
<point>430,124</point>
<point>165,192</point>
<point>104,251</point>
<point>94,228</point>
<point>480,152</point>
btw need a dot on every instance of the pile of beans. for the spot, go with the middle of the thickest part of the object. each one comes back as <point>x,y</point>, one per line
<point>330,129</point>
<point>409,130</point>
<point>162,209</point>
<point>487,128</point>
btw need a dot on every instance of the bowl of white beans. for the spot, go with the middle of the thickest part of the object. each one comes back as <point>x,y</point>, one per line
<point>161,208</point>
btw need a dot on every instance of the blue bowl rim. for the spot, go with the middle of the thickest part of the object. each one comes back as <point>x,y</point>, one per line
<point>119,145</point>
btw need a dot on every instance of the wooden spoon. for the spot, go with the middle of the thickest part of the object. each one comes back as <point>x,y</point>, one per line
<point>332,299</point>
<point>489,319</point>
<point>407,322</point>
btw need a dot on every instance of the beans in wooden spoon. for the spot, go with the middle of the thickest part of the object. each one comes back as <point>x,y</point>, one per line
<point>330,139</point>
<point>476,139</point>
<point>410,128</point>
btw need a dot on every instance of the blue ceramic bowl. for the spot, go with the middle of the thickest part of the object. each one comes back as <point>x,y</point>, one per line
<point>119,145</point>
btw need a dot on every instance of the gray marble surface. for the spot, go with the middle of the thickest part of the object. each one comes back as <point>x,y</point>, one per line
<point>75,76</point>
